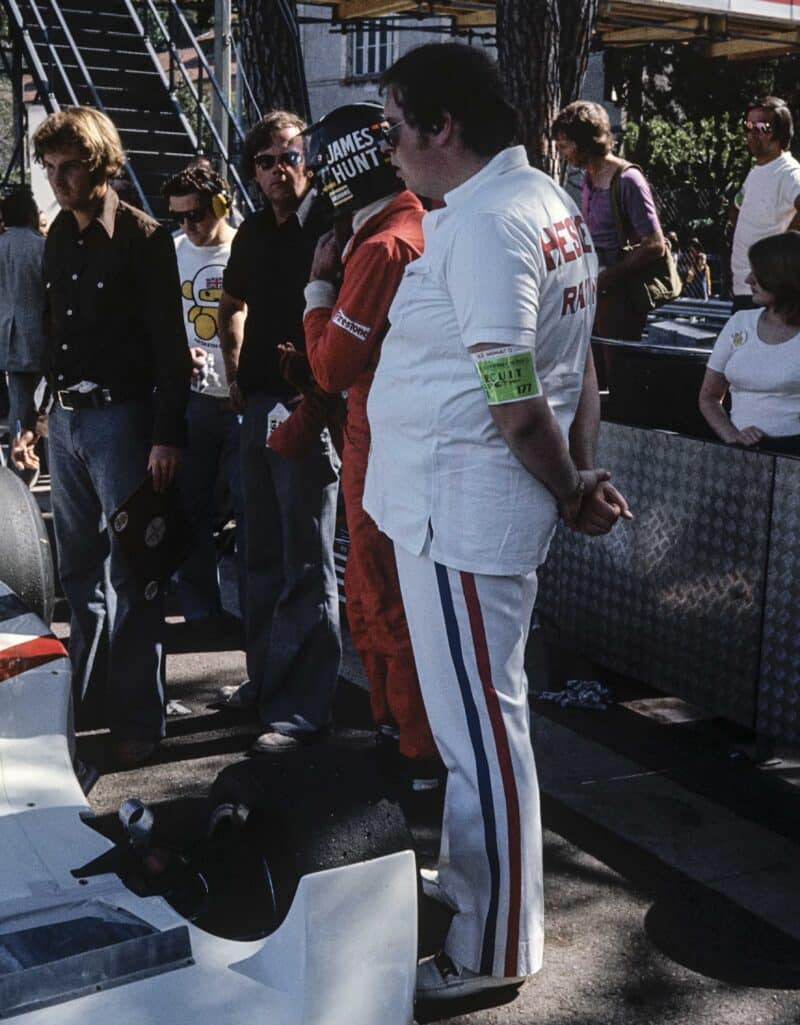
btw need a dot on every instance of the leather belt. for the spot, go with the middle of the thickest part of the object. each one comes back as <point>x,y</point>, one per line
<point>95,399</point>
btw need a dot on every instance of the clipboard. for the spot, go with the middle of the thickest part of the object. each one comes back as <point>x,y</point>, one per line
<point>154,533</point>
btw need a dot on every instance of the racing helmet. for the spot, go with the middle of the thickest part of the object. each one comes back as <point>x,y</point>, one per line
<point>347,154</point>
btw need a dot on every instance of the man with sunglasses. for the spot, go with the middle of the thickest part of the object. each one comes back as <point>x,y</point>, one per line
<point>199,204</point>
<point>483,414</point>
<point>292,618</point>
<point>768,202</point>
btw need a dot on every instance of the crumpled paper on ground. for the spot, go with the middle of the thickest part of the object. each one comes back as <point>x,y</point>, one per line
<point>580,694</point>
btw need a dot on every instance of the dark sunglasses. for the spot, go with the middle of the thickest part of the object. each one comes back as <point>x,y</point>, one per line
<point>764,127</point>
<point>289,158</point>
<point>391,133</point>
<point>192,216</point>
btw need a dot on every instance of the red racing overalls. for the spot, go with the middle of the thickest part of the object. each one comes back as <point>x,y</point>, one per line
<point>343,344</point>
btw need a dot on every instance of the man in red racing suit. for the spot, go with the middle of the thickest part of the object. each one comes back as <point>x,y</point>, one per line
<point>343,343</point>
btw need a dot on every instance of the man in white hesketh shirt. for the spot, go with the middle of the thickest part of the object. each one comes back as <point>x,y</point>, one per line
<point>484,414</point>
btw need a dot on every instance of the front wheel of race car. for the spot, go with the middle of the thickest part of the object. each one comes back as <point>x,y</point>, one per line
<point>26,561</point>
<point>274,820</point>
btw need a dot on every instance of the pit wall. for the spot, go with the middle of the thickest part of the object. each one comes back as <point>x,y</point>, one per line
<point>699,596</point>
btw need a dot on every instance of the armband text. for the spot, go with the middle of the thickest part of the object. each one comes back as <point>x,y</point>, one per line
<point>507,375</point>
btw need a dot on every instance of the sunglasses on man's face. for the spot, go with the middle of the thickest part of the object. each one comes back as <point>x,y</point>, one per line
<point>289,158</point>
<point>391,133</point>
<point>192,216</point>
<point>762,127</point>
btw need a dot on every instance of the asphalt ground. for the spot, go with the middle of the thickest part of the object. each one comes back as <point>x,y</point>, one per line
<point>671,874</point>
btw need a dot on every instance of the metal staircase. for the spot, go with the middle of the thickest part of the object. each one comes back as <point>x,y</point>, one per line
<point>126,59</point>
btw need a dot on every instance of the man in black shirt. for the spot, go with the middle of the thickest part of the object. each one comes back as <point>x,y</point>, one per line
<point>119,369</point>
<point>292,620</point>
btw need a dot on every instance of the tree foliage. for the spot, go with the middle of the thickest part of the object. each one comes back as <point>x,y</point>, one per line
<point>694,167</point>
<point>684,113</point>
<point>680,83</point>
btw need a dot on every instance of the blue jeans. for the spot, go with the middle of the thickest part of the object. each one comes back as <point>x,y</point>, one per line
<point>213,448</point>
<point>98,457</point>
<point>292,622</point>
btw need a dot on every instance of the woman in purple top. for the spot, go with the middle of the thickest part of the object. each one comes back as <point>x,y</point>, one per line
<point>583,135</point>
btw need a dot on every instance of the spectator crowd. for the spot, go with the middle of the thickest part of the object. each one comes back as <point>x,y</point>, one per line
<point>437,363</point>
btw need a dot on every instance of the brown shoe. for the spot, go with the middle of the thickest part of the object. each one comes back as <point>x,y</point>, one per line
<point>130,754</point>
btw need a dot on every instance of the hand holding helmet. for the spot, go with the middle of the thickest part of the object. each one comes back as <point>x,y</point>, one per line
<point>327,262</point>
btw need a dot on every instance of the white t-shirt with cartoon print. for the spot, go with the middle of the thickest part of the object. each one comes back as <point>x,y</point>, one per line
<point>200,269</point>
<point>764,379</point>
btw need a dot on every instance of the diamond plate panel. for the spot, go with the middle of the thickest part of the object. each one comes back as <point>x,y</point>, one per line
<point>779,685</point>
<point>673,598</point>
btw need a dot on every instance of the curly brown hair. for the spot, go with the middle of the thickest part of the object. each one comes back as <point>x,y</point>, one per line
<point>586,124</point>
<point>193,178</point>
<point>92,132</point>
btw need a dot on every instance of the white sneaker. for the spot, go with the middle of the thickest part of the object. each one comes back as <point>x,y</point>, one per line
<point>432,888</point>
<point>440,978</point>
<point>237,695</point>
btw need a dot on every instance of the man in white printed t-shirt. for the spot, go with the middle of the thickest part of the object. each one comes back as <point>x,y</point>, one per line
<point>769,200</point>
<point>199,202</point>
<point>484,413</point>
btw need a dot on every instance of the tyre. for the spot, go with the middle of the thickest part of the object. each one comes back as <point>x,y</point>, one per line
<point>274,820</point>
<point>26,560</point>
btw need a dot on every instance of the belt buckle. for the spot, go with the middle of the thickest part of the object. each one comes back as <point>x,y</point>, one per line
<point>65,404</point>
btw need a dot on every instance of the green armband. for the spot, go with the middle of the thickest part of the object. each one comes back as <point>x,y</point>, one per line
<point>507,375</point>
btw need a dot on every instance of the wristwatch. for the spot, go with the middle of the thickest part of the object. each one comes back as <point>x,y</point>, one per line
<point>574,498</point>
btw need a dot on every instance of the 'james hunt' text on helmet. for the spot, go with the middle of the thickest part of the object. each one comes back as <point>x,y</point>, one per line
<point>345,150</point>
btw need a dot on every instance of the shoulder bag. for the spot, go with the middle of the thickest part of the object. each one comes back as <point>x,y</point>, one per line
<point>646,288</point>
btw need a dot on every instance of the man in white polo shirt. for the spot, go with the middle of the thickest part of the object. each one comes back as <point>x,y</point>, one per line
<point>768,202</point>
<point>484,413</point>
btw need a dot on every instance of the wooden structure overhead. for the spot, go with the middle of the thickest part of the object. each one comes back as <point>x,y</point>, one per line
<point>466,14</point>
<point>733,29</point>
<point>737,30</point>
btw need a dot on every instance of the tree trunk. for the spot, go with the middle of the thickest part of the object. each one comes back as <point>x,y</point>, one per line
<point>543,48</point>
<point>528,33</point>
<point>578,18</point>
<point>272,58</point>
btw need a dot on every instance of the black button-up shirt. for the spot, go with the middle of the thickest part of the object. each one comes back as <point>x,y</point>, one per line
<point>114,312</point>
<point>268,269</point>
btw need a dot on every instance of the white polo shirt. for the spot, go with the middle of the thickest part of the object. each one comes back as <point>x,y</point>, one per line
<point>766,207</point>
<point>508,260</point>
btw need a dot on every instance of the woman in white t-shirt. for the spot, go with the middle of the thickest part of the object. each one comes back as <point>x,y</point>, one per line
<point>757,355</point>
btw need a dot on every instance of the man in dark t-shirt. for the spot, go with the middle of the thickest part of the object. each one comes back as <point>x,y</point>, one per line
<point>292,616</point>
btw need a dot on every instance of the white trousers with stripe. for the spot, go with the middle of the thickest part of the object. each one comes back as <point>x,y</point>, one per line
<point>469,632</point>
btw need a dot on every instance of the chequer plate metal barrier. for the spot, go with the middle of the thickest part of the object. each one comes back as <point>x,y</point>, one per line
<point>699,595</point>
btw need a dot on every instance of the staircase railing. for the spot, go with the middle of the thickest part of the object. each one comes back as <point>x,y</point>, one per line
<point>44,81</point>
<point>152,22</point>
<point>35,66</point>
<point>87,78</point>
